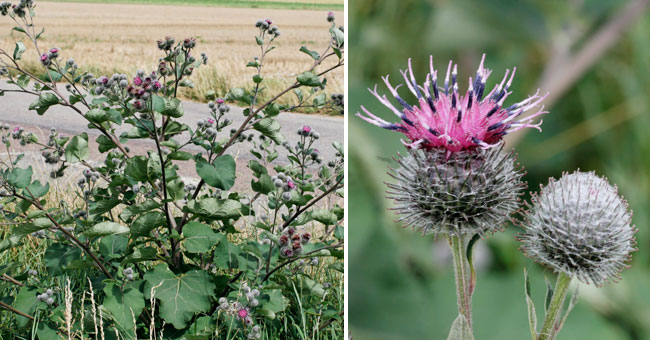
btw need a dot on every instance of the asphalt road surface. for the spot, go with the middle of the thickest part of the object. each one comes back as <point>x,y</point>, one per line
<point>14,111</point>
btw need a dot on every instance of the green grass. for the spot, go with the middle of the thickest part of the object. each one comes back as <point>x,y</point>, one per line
<point>226,3</point>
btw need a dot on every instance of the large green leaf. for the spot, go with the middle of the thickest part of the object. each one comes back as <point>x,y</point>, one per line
<point>36,190</point>
<point>199,238</point>
<point>173,108</point>
<point>44,101</point>
<point>26,303</point>
<point>19,177</point>
<point>220,174</point>
<point>308,79</point>
<point>19,50</point>
<point>59,256</point>
<point>270,128</point>
<point>181,297</point>
<point>77,149</point>
<point>105,229</point>
<point>146,222</point>
<point>136,168</point>
<point>124,305</point>
<point>113,246</point>
<point>216,208</point>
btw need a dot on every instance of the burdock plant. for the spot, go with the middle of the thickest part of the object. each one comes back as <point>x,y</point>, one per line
<point>581,228</point>
<point>456,180</point>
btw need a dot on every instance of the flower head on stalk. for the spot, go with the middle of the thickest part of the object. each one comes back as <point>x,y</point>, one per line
<point>443,118</point>
<point>579,225</point>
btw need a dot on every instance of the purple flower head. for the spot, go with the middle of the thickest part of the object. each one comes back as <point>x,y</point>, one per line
<point>157,85</point>
<point>291,184</point>
<point>444,119</point>
<point>17,128</point>
<point>210,121</point>
<point>137,81</point>
<point>243,313</point>
<point>220,101</point>
<point>103,80</point>
<point>54,50</point>
<point>306,128</point>
<point>268,21</point>
<point>44,57</point>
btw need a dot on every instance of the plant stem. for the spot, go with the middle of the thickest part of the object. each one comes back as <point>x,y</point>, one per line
<point>457,244</point>
<point>551,325</point>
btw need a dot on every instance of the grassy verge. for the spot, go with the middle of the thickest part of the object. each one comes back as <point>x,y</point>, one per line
<point>293,5</point>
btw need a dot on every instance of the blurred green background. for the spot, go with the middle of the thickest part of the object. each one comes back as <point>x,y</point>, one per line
<point>594,59</point>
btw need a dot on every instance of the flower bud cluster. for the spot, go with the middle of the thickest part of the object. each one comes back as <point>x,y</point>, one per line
<point>291,241</point>
<point>32,272</point>
<point>4,8</point>
<point>39,233</point>
<point>18,133</point>
<point>128,273</point>
<point>242,311</point>
<point>47,297</point>
<point>19,10</point>
<point>284,183</point>
<point>47,58</point>
<point>142,88</point>
<point>267,25</point>
<point>166,44</point>
<point>338,102</point>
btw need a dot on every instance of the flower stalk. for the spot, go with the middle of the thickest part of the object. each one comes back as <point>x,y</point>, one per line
<point>461,274</point>
<point>552,320</point>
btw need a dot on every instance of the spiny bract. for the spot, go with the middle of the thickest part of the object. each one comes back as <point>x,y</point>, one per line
<point>462,193</point>
<point>579,225</point>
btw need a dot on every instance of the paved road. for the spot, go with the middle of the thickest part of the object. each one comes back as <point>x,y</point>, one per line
<point>14,110</point>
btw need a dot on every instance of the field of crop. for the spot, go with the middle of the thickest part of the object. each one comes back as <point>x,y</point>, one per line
<point>280,4</point>
<point>108,38</point>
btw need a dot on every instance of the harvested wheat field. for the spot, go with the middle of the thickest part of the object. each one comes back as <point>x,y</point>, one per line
<point>109,38</point>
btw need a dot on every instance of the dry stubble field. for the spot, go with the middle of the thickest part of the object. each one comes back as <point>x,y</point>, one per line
<point>109,38</point>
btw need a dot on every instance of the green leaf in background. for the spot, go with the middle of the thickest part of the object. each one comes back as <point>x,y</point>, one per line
<point>97,116</point>
<point>182,296</point>
<point>532,314</point>
<point>44,101</point>
<point>146,222</point>
<point>19,50</point>
<point>199,238</point>
<point>105,229</point>
<point>77,149</point>
<point>25,302</point>
<point>313,54</point>
<point>270,128</point>
<point>272,302</point>
<point>125,305</point>
<point>220,174</point>
<point>36,190</point>
<point>460,329</point>
<point>308,79</point>
<point>240,95</point>
<point>173,108</point>
<point>113,246</point>
<point>19,177</point>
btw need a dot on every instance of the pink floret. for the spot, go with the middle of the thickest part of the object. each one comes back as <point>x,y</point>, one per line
<point>443,118</point>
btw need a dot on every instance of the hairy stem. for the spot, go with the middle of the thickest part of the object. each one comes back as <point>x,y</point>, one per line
<point>551,321</point>
<point>461,273</point>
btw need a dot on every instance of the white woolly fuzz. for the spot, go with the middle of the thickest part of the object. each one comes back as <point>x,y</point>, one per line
<point>580,225</point>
